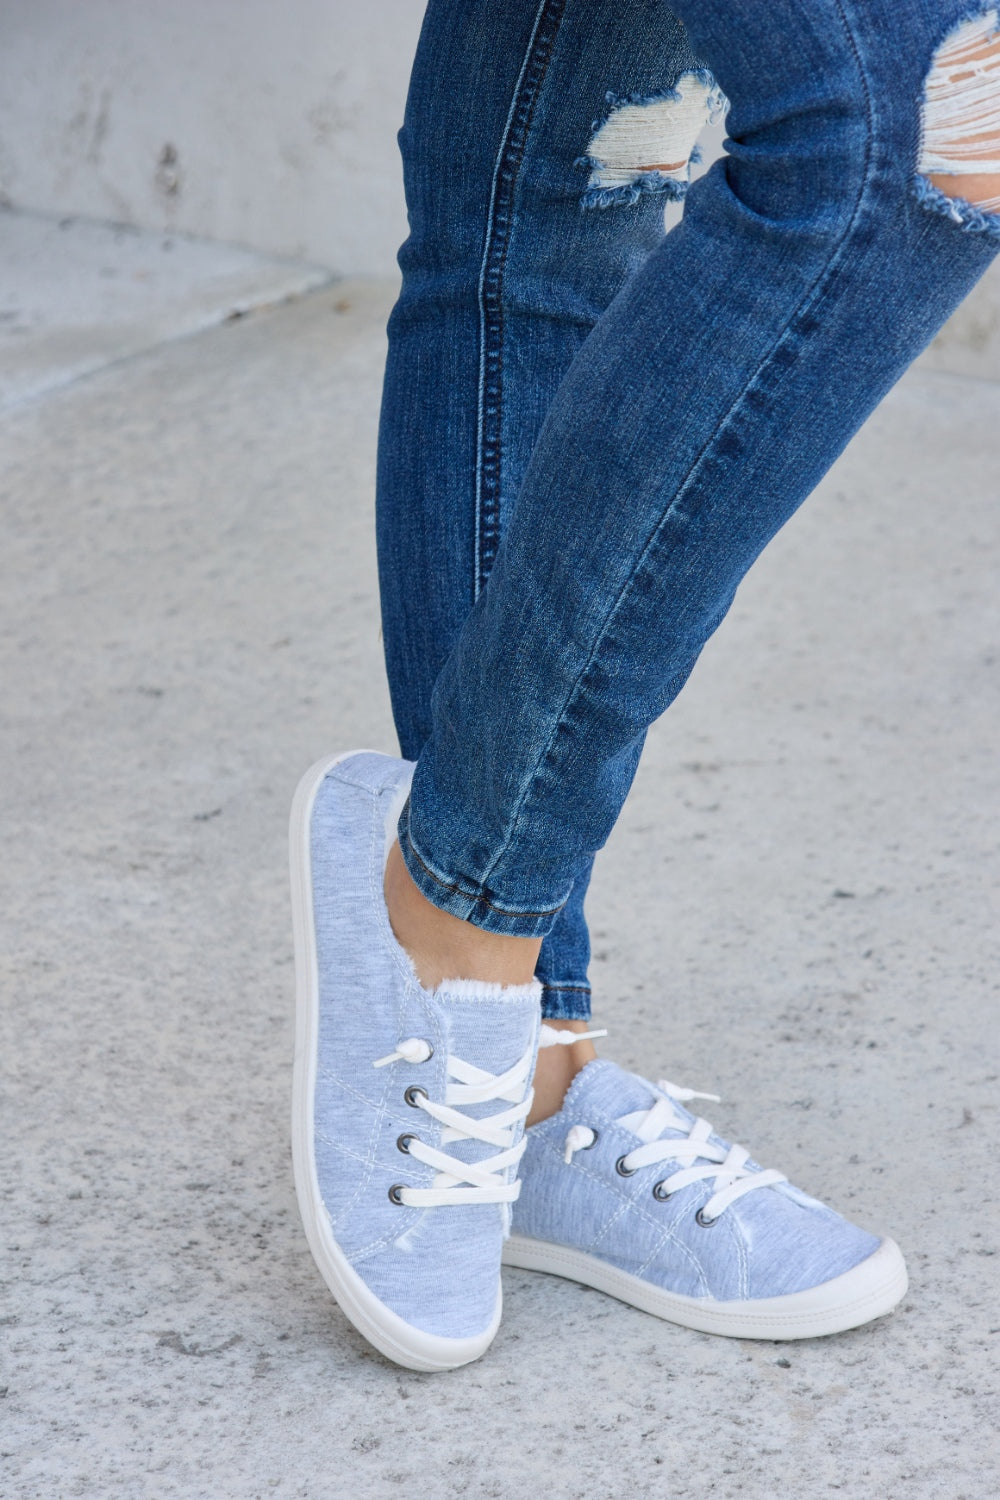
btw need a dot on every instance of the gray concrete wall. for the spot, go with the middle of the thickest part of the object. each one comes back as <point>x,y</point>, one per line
<point>267,125</point>
<point>244,121</point>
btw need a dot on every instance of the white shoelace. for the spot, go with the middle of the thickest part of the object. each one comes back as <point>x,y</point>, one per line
<point>550,1037</point>
<point>726,1165</point>
<point>460,1181</point>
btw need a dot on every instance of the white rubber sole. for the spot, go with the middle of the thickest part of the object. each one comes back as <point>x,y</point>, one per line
<point>390,1334</point>
<point>866,1291</point>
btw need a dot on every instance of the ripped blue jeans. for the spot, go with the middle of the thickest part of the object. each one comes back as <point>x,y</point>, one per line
<point>590,428</point>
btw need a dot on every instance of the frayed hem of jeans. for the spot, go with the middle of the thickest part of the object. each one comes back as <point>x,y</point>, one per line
<point>963,214</point>
<point>627,193</point>
<point>718,103</point>
<point>648,180</point>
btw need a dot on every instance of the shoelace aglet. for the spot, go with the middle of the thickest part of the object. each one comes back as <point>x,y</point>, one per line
<point>413,1049</point>
<point>550,1037</point>
<point>682,1095</point>
<point>579,1138</point>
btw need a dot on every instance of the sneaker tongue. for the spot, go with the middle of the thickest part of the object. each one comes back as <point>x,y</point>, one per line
<point>486,1025</point>
<point>491,1028</point>
<point>603,1092</point>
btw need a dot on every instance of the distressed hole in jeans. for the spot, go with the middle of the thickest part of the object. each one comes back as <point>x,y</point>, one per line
<point>959,164</point>
<point>646,144</point>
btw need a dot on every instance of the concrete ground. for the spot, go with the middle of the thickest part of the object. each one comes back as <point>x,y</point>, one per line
<point>797,910</point>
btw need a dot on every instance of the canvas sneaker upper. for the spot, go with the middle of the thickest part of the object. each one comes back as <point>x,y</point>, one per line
<point>627,1189</point>
<point>409,1108</point>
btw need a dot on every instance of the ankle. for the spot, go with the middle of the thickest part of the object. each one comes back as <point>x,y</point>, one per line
<point>442,947</point>
<point>556,1068</point>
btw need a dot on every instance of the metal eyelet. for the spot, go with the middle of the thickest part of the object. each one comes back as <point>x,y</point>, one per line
<point>410,1094</point>
<point>660,1192</point>
<point>622,1169</point>
<point>396,1193</point>
<point>403,1143</point>
<point>705,1222</point>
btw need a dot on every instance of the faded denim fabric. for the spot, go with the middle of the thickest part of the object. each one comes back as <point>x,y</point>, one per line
<point>773,1241</point>
<point>438,1268</point>
<point>590,430</point>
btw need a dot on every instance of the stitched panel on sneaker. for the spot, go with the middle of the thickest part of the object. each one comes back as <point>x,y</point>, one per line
<point>369,1002</point>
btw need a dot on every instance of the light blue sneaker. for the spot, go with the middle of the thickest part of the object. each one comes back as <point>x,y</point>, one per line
<point>409,1106</point>
<point>626,1191</point>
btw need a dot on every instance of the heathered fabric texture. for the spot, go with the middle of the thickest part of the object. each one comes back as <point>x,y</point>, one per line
<point>773,1241</point>
<point>437,1268</point>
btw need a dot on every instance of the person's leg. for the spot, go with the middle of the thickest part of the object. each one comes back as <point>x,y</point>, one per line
<point>707,402</point>
<point>810,268</point>
<point>527,215</point>
<point>810,278</point>
<point>410,1098</point>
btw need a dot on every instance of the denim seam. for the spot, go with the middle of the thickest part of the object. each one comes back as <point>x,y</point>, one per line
<point>582,989</point>
<point>573,1005</point>
<point>496,243</point>
<point>807,302</point>
<point>478,900</point>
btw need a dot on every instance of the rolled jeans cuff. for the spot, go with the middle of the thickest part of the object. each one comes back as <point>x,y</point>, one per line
<point>565,1002</point>
<point>470,900</point>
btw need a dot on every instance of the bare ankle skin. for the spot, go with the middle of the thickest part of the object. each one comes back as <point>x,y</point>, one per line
<point>442,947</point>
<point>556,1069</point>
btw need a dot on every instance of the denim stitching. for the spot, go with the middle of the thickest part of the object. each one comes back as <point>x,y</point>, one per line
<point>477,900</point>
<point>497,240</point>
<point>645,562</point>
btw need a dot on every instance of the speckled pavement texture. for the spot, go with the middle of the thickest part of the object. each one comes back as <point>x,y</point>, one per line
<point>797,910</point>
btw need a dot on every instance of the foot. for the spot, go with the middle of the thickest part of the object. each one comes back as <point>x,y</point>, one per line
<point>409,1104</point>
<point>626,1191</point>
